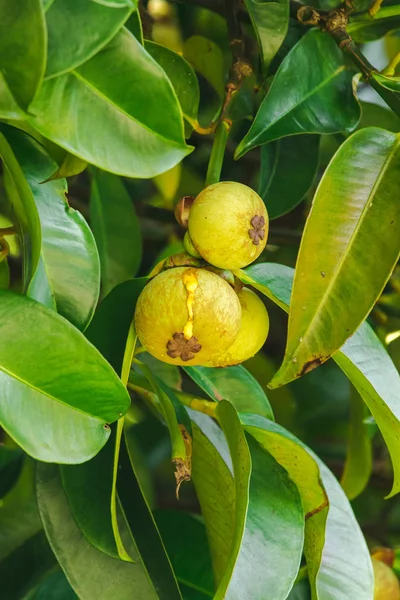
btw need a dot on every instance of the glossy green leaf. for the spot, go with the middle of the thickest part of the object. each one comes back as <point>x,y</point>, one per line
<point>68,275</point>
<point>22,48</point>
<point>91,573</point>
<point>206,58</point>
<point>234,384</point>
<point>117,94</point>
<point>212,472</point>
<point>55,407</point>
<point>21,210</point>
<point>358,465</point>
<point>116,229</point>
<point>287,172</point>
<point>337,278</point>
<point>117,3</point>
<point>269,520</point>
<point>345,569</point>
<point>363,358</point>
<point>182,77</point>
<point>78,30</point>
<point>71,165</point>
<point>390,83</point>
<point>322,102</point>
<point>185,539</point>
<point>270,20</point>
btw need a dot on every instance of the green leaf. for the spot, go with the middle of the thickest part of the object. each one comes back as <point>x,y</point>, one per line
<point>375,115</point>
<point>55,586</point>
<point>117,3</point>
<point>9,109</point>
<point>71,165</point>
<point>11,461</point>
<point>358,465</point>
<point>363,359</point>
<point>186,542</point>
<point>365,28</point>
<point>68,251</point>
<point>117,94</point>
<point>22,210</point>
<point>337,278</point>
<point>78,30</point>
<point>182,77</point>
<point>234,384</point>
<point>390,83</point>
<point>345,570</point>
<point>116,229</point>
<point>55,407</point>
<point>4,275</point>
<point>269,520</point>
<point>287,172</point>
<point>206,58</point>
<point>322,102</point>
<point>270,20</point>
<point>91,573</point>
<point>22,48</point>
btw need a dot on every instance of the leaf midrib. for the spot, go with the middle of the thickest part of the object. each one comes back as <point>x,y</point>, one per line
<point>108,100</point>
<point>303,99</point>
<point>352,240</point>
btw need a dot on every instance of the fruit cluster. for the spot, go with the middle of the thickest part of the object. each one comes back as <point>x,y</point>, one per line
<point>193,316</point>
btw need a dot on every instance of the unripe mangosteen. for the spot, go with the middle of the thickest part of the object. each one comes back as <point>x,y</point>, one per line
<point>228,225</point>
<point>187,316</point>
<point>254,328</point>
<point>386,583</point>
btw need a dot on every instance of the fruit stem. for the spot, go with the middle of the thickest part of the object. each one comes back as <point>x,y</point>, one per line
<point>206,407</point>
<point>217,152</point>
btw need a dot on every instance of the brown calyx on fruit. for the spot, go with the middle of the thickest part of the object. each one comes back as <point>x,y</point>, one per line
<point>182,348</point>
<point>182,210</point>
<point>257,233</point>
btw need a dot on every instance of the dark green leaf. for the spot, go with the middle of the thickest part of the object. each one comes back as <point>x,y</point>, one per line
<point>287,172</point>
<point>375,115</point>
<point>78,30</point>
<point>358,466</point>
<point>270,20</point>
<point>363,358</point>
<point>4,275</point>
<point>91,573</point>
<point>54,405</point>
<point>234,384</point>
<point>206,58</point>
<point>322,102</point>
<point>117,94</point>
<point>55,586</point>
<point>22,48</point>
<point>182,77</point>
<point>11,461</point>
<point>338,279</point>
<point>68,275</point>
<point>185,539</point>
<point>365,28</point>
<point>269,520</point>
<point>116,229</point>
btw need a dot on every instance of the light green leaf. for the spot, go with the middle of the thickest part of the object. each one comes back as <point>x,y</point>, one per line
<point>345,570</point>
<point>322,101</point>
<point>358,465</point>
<point>234,384</point>
<point>68,275</point>
<point>363,359</point>
<point>117,3</point>
<point>337,278</point>
<point>182,77</point>
<point>22,48</point>
<point>270,20</point>
<point>117,94</point>
<point>390,83</point>
<point>78,30</point>
<point>71,165</point>
<point>269,520</point>
<point>91,573</point>
<point>287,172</point>
<point>206,58</point>
<point>55,407</point>
<point>116,229</point>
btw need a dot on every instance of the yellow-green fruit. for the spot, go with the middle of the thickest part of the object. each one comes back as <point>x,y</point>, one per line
<point>253,331</point>
<point>386,582</point>
<point>187,316</point>
<point>228,225</point>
